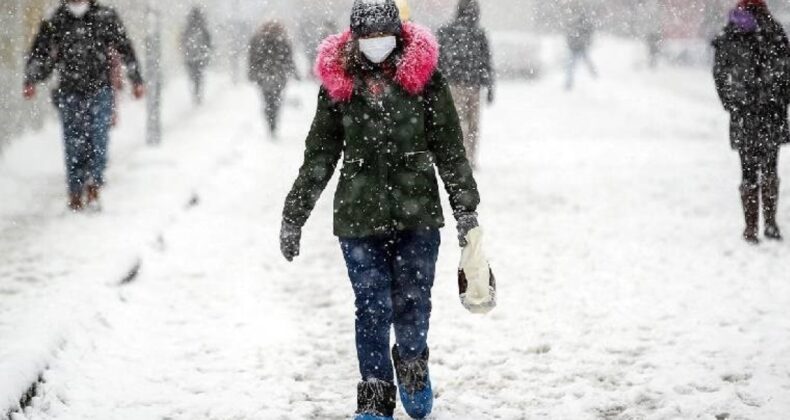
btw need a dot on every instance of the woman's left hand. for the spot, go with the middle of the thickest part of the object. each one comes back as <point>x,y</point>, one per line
<point>465,222</point>
<point>290,240</point>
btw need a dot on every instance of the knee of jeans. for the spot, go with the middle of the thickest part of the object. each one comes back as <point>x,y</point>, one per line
<point>412,302</point>
<point>377,308</point>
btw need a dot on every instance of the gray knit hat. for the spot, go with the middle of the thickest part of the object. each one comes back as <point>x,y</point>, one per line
<point>374,16</point>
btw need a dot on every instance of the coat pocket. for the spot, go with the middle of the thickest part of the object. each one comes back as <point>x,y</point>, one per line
<point>419,161</point>
<point>352,167</point>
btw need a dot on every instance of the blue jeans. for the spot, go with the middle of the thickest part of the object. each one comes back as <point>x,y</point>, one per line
<point>86,126</point>
<point>392,277</point>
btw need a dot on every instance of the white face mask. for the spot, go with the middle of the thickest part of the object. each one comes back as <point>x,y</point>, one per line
<point>79,9</point>
<point>378,49</point>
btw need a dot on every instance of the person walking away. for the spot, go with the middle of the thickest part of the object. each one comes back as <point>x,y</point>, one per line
<point>579,38</point>
<point>647,20</point>
<point>271,64</point>
<point>77,42</point>
<point>196,47</point>
<point>386,109</point>
<point>466,63</point>
<point>752,74</point>
<point>653,41</point>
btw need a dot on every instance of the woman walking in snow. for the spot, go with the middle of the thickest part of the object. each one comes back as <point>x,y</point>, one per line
<point>752,73</point>
<point>386,109</point>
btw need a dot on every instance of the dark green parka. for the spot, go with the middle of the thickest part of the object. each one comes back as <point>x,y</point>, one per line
<point>391,143</point>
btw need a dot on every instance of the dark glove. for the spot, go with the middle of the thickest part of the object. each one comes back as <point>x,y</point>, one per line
<point>290,238</point>
<point>465,222</point>
<point>491,96</point>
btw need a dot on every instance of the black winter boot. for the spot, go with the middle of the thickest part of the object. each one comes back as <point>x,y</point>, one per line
<point>770,204</point>
<point>750,196</point>
<point>375,399</point>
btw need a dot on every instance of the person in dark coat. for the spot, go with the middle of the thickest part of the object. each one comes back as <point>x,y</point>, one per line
<point>388,112</point>
<point>196,46</point>
<point>78,42</point>
<point>580,39</point>
<point>271,64</point>
<point>752,74</point>
<point>466,62</point>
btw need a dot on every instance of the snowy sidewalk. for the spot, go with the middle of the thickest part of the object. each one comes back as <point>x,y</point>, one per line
<point>54,265</point>
<point>613,221</point>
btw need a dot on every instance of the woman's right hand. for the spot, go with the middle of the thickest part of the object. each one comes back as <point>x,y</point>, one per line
<point>290,240</point>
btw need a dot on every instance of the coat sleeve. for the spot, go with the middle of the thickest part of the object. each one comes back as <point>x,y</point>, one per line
<point>446,141</point>
<point>783,59</point>
<point>40,59</point>
<point>488,65</point>
<point>323,148</point>
<point>252,59</point>
<point>123,45</point>
<point>290,63</point>
<point>208,39</point>
<point>721,75</point>
<point>443,58</point>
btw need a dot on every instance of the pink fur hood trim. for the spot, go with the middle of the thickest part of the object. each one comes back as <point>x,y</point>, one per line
<point>418,63</point>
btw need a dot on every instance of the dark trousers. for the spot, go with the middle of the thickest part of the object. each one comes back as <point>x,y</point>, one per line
<point>196,75</point>
<point>576,57</point>
<point>759,164</point>
<point>392,277</point>
<point>272,103</point>
<point>86,122</point>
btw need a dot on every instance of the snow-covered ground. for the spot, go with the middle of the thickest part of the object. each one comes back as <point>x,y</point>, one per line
<point>612,220</point>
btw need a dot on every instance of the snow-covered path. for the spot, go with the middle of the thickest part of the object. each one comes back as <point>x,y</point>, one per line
<point>613,222</point>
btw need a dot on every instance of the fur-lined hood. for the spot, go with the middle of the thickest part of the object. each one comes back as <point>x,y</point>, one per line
<point>416,67</point>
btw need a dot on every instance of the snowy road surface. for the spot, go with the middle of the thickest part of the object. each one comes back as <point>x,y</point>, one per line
<point>613,224</point>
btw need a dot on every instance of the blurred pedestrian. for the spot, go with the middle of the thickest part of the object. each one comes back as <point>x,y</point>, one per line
<point>466,62</point>
<point>752,73</point>
<point>77,42</point>
<point>653,41</point>
<point>196,47</point>
<point>580,39</point>
<point>271,64</point>
<point>385,108</point>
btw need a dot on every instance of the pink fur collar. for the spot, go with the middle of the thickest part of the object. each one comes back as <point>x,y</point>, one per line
<point>415,70</point>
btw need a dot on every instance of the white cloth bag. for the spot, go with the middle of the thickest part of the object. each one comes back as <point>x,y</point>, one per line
<point>476,282</point>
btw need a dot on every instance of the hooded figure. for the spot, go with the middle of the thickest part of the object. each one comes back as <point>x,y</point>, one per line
<point>271,63</point>
<point>196,46</point>
<point>386,110</point>
<point>79,42</point>
<point>466,62</point>
<point>752,74</point>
